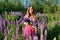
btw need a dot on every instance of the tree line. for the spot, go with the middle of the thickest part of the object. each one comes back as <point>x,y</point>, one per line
<point>43,6</point>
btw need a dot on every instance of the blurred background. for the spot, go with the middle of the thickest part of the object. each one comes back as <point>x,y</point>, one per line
<point>11,11</point>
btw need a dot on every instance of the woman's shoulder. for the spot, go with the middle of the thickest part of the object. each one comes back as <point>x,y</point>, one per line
<point>25,18</point>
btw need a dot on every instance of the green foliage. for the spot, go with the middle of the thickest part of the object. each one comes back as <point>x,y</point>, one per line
<point>36,5</point>
<point>42,6</point>
<point>40,18</point>
<point>9,17</point>
<point>54,32</point>
<point>11,6</point>
<point>13,31</point>
<point>20,27</point>
<point>1,36</point>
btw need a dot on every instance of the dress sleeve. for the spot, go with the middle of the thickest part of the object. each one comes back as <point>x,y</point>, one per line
<point>25,20</point>
<point>35,23</point>
<point>21,20</point>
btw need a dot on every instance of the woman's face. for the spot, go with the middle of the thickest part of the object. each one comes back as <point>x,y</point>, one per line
<point>30,10</point>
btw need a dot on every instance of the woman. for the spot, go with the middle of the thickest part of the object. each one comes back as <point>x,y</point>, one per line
<point>32,17</point>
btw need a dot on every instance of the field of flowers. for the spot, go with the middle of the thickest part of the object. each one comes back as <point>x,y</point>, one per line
<point>11,28</point>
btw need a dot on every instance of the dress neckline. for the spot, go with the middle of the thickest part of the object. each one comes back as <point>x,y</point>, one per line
<point>30,18</point>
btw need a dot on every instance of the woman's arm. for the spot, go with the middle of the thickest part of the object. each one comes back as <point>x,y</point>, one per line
<point>24,21</point>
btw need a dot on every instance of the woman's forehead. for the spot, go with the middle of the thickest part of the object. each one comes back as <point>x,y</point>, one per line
<point>30,7</point>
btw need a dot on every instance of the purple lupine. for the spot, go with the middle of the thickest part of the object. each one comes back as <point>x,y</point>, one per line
<point>45,23</point>
<point>13,37</point>
<point>5,31</point>
<point>11,23</point>
<point>12,14</point>
<point>16,32</point>
<point>40,25</point>
<point>16,22</point>
<point>0,28</point>
<point>35,38</point>
<point>4,22</point>
<point>45,28</point>
<point>0,24</point>
<point>17,28</point>
<point>5,38</point>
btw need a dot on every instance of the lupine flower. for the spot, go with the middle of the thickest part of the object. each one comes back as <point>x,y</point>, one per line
<point>0,24</point>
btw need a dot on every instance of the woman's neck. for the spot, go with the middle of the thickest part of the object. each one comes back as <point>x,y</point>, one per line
<point>30,14</point>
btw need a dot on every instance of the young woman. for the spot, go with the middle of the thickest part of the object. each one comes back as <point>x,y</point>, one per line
<point>30,15</point>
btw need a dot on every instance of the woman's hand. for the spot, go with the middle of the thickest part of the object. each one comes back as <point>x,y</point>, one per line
<point>25,23</point>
